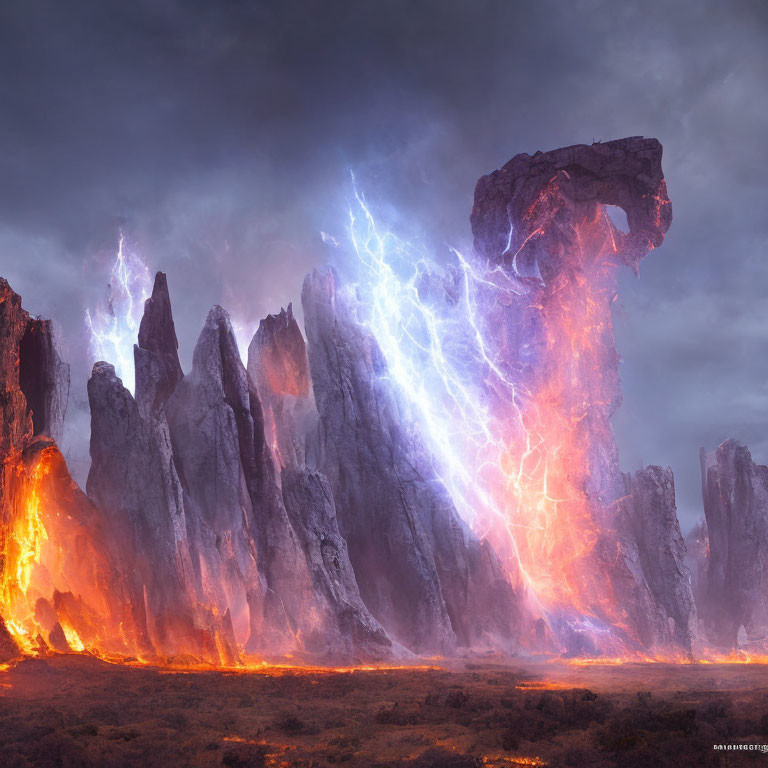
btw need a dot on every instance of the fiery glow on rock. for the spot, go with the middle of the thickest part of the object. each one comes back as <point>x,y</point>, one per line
<point>114,324</point>
<point>506,377</point>
<point>55,593</point>
<point>21,554</point>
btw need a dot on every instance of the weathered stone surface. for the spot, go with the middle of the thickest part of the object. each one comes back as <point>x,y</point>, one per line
<point>278,365</point>
<point>543,220</point>
<point>277,362</point>
<point>158,370</point>
<point>660,599</point>
<point>735,600</point>
<point>34,381</point>
<point>419,570</point>
<point>625,173</point>
<point>44,377</point>
<point>347,628</point>
<point>243,536</point>
<point>16,423</point>
<point>696,558</point>
<point>214,446</point>
<point>134,483</point>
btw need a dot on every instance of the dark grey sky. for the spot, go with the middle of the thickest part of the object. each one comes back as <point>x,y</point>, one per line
<point>219,136</point>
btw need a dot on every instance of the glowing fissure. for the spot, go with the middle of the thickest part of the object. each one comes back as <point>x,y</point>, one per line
<point>114,324</point>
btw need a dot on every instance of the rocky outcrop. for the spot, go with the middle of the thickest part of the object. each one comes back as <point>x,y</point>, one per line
<point>519,211</point>
<point>542,218</point>
<point>421,573</point>
<point>277,364</point>
<point>187,481</point>
<point>134,483</point>
<point>655,583</point>
<point>156,357</point>
<point>34,381</point>
<point>348,627</point>
<point>55,567</point>
<point>239,532</point>
<point>735,600</point>
<point>543,221</point>
<point>44,378</point>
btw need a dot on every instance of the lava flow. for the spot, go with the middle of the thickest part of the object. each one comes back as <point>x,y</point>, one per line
<point>55,592</point>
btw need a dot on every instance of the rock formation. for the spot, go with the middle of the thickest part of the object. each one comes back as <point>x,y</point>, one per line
<point>212,435</point>
<point>185,475</point>
<point>277,364</point>
<point>735,594</point>
<point>156,356</point>
<point>543,221</point>
<point>34,380</point>
<point>309,502</point>
<point>56,573</point>
<point>542,218</point>
<point>422,574</point>
<point>655,585</point>
<point>540,192</point>
<point>294,508</point>
<point>134,482</point>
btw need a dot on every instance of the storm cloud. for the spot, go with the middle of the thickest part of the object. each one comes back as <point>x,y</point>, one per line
<point>219,136</point>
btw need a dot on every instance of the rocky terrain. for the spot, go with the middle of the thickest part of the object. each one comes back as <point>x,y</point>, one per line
<point>291,508</point>
<point>77,712</point>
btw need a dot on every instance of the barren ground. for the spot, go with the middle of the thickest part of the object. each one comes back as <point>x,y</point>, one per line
<point>75,711</point>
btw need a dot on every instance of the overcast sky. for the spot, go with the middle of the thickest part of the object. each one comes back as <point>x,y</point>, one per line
<point>219,135</point>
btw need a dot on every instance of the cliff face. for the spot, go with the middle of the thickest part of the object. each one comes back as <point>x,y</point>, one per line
<point>543,221</point>
<point>34,380</point>
<point>422,574</point>
<point>277,362</point>
<point>278,366</point>
<point>190,486</point>
<point>735,592</point>
<point>293,508</point>
<point>59,586</point>
<point>212,437</point>
<point>660,599</point>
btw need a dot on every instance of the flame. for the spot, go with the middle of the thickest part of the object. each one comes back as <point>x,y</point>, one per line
<point>114,324</point>
<point>21,553</point>
<point>55,592</point>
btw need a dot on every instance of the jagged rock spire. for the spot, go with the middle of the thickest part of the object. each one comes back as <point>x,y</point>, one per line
<point>156,357</point>
<point>422,574</point>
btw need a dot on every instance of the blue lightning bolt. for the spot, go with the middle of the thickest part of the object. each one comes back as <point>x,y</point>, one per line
<point>114,324</point>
